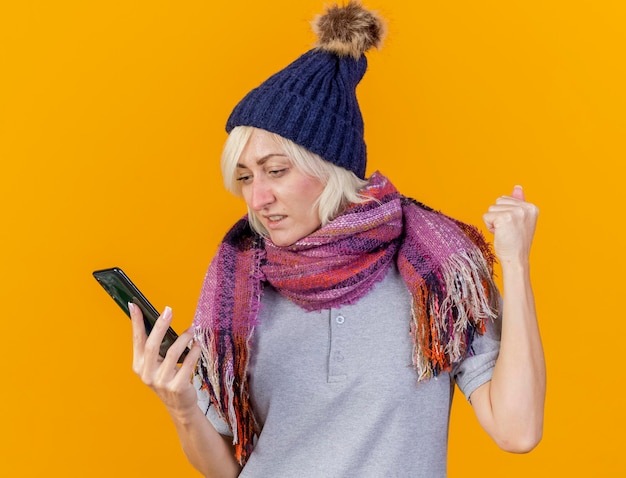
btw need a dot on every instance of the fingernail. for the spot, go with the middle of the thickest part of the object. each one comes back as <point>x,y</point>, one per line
<point>167,313</point>
<point>131,307</point>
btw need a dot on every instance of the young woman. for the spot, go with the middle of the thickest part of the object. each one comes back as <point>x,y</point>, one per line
<point>338,315</point>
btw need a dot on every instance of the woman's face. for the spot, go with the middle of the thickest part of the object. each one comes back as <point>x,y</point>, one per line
<point>279,195</point>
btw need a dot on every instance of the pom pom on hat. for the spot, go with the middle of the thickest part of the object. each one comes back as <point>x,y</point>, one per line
<point>350,30</point>
<point>312,101</point>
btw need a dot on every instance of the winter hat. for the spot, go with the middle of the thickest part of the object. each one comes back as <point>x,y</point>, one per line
<point>312,102</point>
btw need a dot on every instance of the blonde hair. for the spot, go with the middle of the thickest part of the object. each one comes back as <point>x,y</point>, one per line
<point>342,187</point>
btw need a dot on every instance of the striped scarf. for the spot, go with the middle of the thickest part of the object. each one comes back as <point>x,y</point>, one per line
<point>447,267</point>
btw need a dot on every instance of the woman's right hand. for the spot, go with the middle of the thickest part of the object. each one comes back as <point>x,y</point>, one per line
<point>173,383</point>
<point>205,448</point>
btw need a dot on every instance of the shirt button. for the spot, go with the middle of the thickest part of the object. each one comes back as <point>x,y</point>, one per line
<point>340,319</point>
<point>339,357</point>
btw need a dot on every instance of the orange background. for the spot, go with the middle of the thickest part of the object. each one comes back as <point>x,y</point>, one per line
<point>111,125</point>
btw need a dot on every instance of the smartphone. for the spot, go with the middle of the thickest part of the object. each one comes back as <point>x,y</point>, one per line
<point>123,291</point>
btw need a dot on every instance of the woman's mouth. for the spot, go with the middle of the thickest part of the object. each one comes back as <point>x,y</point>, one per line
<point>274,219</point>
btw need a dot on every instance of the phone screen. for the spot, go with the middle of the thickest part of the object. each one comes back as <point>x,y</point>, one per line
<point>123,291</point>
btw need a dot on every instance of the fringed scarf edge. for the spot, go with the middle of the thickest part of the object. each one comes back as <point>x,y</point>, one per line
<point>225,356</point>
<point>448,308</point>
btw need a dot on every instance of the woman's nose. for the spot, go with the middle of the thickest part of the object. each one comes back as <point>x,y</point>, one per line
<point>262,195</point>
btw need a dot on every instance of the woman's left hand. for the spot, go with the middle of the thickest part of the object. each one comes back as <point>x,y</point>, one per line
<point>512,220</point>
<point>511,406</point>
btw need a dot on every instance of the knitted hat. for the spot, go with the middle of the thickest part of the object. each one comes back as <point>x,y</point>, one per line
<point>313,101</point>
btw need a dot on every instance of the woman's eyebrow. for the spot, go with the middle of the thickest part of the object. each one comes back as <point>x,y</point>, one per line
<point>263,159</point>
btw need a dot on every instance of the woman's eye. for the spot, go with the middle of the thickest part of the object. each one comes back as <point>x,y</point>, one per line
<point>244,179</point>
<point>277,172</point>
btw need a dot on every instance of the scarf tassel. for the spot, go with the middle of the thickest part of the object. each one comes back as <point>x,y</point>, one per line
<point>449,306</point>
<point>230,401</point>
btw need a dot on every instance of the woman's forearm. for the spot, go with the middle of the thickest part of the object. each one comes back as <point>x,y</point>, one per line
<point>519,378</point>
<point>209,452</point>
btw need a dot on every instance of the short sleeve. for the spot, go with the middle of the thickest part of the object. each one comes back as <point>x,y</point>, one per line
<point>204,402</point>
<point>477,369</point>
